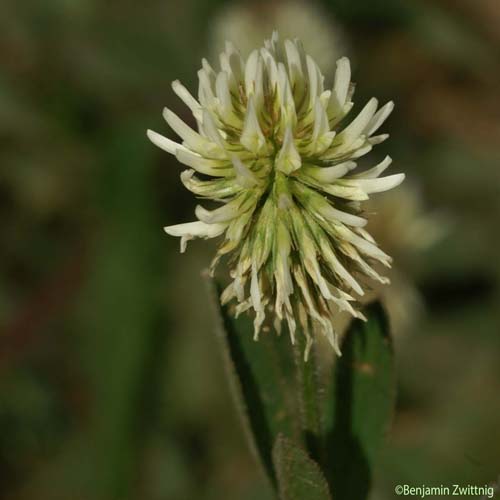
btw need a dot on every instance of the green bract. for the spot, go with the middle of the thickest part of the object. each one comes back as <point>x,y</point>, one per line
<point>270,148</point>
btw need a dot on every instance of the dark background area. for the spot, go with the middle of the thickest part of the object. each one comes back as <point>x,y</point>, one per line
<point>111,384</point>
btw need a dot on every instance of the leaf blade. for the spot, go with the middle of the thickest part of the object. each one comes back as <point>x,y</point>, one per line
<point>299,477</point>
<point>309,398</point>
<point>360,404</point>
<point>261,376</point>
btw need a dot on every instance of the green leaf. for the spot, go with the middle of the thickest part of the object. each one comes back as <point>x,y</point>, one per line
<point>262,379</point>
<point>299,477</point>
<point>360,404</point>
<point>308,397</point>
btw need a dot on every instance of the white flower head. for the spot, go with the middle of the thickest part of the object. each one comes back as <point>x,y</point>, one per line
<point>272,148</point>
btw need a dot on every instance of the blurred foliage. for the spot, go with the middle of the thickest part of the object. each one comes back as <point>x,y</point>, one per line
<point>111,385</point>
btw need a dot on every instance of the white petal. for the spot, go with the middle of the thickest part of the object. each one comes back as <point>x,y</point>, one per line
<point>271,67</point>
<point>209,71</point>
<point>225,213</point>
<point>205,89</point>
<point>223,94</point>
<point>184,94</point>
<point>238,206</point>
<point>381,184</point>
<point>259,84</point>
<point>288,159</point>
<point>328,253</point>
<point>233,62</point>
<point>377,139</point>
<point>189,136</point>
<point>293,60</point>
<point>215,189</point>
<point>322,137</point>
<point>342,80</point>
<point>164,143</point>
<point>358,125</point>
<point>211,130</point>
<point>251,71</point>
<point>284,283</point>
<point>203,165</point>
<point>374,172</point>
<point>379,118</point>
<point>315,80</point>
<point>353,193</point>
<point>321,126</point>
<point>244,175</point>
<point>329,174</point>
<point>228,294</point>
<point>368,270</point>
<point>304,288</point>
<point>285,90</point>
<point>195,229</point>
<point>235,59</point>
<point>365,246</point>
<point>333,214</point>
<point>365,234</point>
<point>320,205</point>
<point>324,98</point>
<point>361,151</point>
<point>252,137</point>
<point>255,290</point>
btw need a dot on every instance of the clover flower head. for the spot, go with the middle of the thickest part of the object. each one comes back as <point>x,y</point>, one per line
<point>271,147</point>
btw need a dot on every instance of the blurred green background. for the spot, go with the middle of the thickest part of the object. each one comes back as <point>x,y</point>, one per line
<point>111,384</point>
